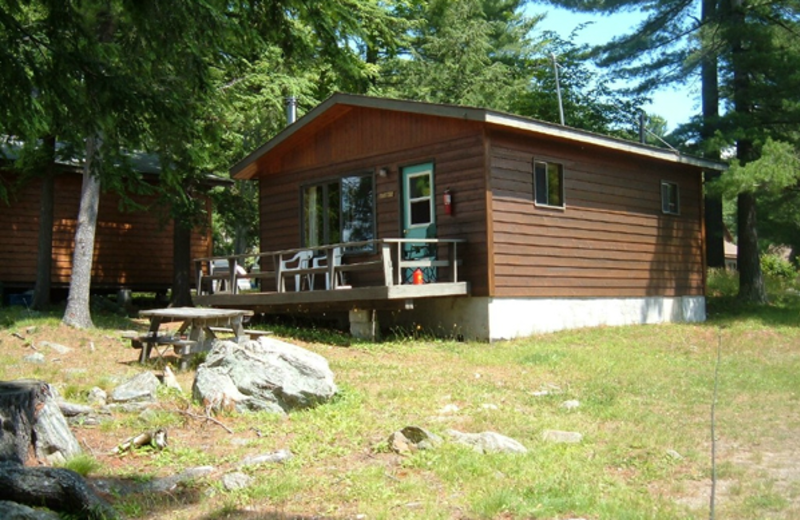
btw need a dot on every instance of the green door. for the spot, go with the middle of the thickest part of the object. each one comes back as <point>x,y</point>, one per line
<point>419,217</point>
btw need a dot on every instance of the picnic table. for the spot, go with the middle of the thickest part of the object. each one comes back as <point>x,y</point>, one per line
<point>196,333</point>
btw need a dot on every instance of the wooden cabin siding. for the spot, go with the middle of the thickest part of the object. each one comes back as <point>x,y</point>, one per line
<point>352,134</point>
<point>610,240</point>
<point>132,249</point>
<point>353,146</point>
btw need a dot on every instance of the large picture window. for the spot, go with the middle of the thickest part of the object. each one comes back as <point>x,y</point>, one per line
<point>548,183</point>
<point>338,211</point>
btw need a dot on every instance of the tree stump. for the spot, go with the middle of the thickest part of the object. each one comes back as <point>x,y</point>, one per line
<point>32,425</point>
<point>31,420</point>
<point>19,401</point>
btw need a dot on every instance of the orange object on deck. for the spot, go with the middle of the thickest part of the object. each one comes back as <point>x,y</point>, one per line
<point>418,278</point>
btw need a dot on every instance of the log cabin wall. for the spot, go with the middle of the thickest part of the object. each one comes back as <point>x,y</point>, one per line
<point>363,140</point>
<point>610,240</point>
<point>132,249</point>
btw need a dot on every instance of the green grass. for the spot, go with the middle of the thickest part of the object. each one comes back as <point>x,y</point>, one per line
<point>82,464</point>
<point>645,392</point>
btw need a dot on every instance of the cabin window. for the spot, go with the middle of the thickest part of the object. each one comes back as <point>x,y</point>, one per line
<point>670,198</point>
<point>548,183</point>
<point>420,199</point>
<point>338,211</point>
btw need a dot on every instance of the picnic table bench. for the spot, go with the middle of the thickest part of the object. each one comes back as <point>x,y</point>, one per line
<point>196,333</point>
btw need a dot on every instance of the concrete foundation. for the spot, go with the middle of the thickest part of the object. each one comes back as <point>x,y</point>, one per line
<point>364,324</point>
<point>489,319</point>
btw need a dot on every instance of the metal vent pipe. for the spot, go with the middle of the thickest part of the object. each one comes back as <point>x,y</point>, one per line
<point>291,110</point>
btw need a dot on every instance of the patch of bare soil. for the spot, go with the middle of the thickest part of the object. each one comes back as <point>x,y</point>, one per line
<point>765,475</point>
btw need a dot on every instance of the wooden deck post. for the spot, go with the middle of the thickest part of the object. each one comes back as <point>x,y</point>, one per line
<point>386,255</point>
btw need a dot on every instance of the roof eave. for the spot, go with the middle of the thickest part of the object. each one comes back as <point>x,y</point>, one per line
<point>589,138</point>
<point>242,169</point>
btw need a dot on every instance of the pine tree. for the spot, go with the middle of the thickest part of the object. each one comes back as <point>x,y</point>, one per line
<point>469,52</point>
<point>747,56</point>
<point>100,76</point>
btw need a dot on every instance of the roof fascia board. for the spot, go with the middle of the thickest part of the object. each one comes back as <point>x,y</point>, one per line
<point>282,136</point>
<point>573,134</point>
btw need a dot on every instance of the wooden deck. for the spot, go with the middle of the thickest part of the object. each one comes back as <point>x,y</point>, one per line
<point>377,279</point>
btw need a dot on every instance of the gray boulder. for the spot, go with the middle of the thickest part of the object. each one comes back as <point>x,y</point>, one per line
<point>165,484</point>
<point>277,457</point>
<point>488,442</point>
<point>57,347</point>
<point>97,396</point>
<point>141,387</point>
<point>54,441</point>
<point>413,438</point>
<point>266,374</point>
<point>562,437</point>
<point>236,480</point>
<point>37,358</point>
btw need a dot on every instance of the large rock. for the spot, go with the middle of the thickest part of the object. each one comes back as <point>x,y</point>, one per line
<point>562,437</point>
<point>55,442</point>
<point>266,374</point>
<point>413,438</point>
<point>487,442</point>
<point>141,387</point>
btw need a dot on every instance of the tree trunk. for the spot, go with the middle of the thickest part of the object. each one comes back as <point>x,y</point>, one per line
<point>77,313</point>
<point>181,265</point>
<point>715,236</point>
<point>56,488</point>
<point>240,238</point>
<point>751,279</point>
<point>241,230</point>
<point>44,260</point>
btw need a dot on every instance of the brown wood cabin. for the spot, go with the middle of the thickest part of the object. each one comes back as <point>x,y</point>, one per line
<point>553,227</point>
<point>133,249</point>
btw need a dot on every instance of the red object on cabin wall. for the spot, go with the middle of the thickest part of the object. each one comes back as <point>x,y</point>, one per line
<point>448,202</point>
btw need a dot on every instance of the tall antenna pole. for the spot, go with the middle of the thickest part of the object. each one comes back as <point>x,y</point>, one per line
<point>558,89</point>
<point>642,127</point>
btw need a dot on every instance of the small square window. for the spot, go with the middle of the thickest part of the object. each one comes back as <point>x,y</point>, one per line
<point>548,183</point>
<point>670,198</point>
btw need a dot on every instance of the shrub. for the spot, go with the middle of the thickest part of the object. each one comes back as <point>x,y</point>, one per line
<point>722,283</point>
<point>773,265</point>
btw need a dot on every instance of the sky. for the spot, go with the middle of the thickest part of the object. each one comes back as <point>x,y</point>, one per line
<point>675,105</point>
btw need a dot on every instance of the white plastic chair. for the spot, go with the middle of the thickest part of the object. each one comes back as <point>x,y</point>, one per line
<point>322,261</point>
<point>299,261</point>
<point>218,267</point>
<point>222,267</point>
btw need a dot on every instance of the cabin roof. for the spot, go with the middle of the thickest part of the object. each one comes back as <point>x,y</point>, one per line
<point>142,162</point>
<point>245,169</point>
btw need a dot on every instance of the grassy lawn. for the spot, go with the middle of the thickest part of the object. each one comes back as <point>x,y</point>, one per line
<point>645,396</point>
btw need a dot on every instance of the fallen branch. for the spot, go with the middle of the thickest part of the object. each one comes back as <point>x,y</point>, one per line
<point>207,417</point>
<point>156,438</point>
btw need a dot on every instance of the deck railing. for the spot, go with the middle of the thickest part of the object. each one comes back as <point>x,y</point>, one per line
<point>392,258</point>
